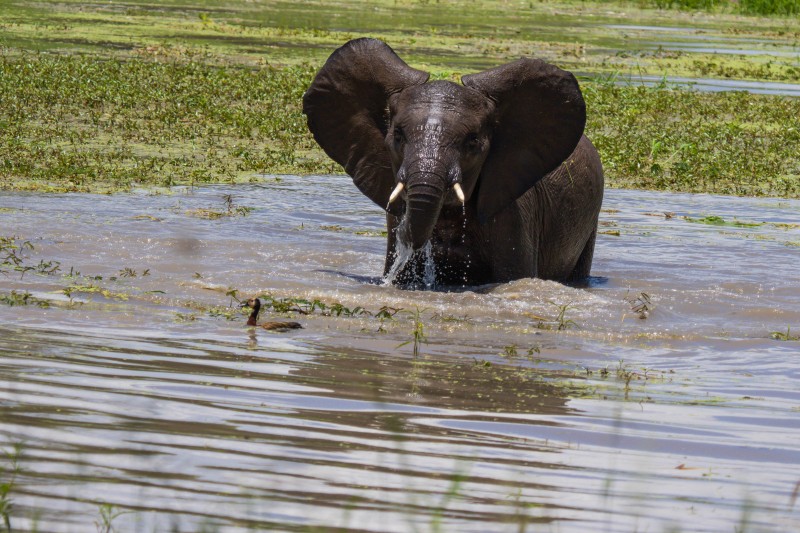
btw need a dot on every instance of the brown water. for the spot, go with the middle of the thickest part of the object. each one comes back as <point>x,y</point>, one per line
<point>148,393</point>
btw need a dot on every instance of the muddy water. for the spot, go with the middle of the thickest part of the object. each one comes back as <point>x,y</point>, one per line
<point>147,392</point>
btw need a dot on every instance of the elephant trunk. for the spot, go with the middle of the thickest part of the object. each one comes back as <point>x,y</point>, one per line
<point>423,205</point>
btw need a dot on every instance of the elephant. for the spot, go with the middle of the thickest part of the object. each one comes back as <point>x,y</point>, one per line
<point>491,180</point>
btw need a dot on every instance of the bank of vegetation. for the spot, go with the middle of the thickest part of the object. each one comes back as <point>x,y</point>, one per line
<point>745,7</point>
<point>96,99</point>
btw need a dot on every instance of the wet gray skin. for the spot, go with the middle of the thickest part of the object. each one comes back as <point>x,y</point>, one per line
<point>495,174</point>
<point>141,394</point>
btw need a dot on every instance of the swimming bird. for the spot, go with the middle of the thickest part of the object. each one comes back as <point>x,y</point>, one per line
<point>255,305</point>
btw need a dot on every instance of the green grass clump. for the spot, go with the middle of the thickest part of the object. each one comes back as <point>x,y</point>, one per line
<point>714,220</point>
<point>784,336</point>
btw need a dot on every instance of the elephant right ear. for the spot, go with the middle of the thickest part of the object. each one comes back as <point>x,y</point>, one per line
<point>540,117</point>
<point>347,110</point>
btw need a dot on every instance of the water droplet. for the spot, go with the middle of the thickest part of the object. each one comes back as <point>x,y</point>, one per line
<point>429,275</point>
<point>465,277</point>
<point>403,253</point>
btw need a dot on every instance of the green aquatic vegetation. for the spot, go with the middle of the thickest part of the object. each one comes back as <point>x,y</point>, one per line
<point>704,5</point>
<point>371,233</point>
<point>709,400</point>
<point>307,307</point>
<point>735,68</point>
<point>453,491</point>
<point>107,514</point>
<point>185,317</point>
<point>90,289</point>
<point>223,312</point>
<point>337,309</point>
<point>203,106</point>
<point>559,323</point>
<point>769,7</point>
<point>230,209</point>
<point>12,252</point>
<point>784,225</point>
<point>23,298</point>
<point>732,143</point>
<point>632,380</point>
<point>336,228</point>
<point>13,257</point>
<point>562,322</point>
<point>8,479</point>
<point>244,29</point>
<point>509,351</point>
<point>748,7</point>
<point>642,305</point>
<point>784,336</point>
<point>680,140</point>
<point>67,291</point>
<point>387,313</point>
<point>626,375</point>
<point>512,351</point>
<point>129,272</point>
<point>714,220</point>
<point>418,336</point>
<point>78,123</point>
<point>304,306</point>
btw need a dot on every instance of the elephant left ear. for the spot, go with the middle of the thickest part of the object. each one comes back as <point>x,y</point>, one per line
<point>540,117</point>
<point>347,109</point>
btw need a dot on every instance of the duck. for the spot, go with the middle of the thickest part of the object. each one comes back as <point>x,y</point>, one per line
<point>252,320</point>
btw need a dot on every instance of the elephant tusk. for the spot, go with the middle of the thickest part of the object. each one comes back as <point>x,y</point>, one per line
<point>459,192</point>
<point>396,192</point>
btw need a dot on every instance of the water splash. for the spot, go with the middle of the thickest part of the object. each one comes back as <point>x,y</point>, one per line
<point>468,262</point>
<point>403,253</point>
<point>429,273</point>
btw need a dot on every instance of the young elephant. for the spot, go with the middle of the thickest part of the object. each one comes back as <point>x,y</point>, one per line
<point>496,173</point>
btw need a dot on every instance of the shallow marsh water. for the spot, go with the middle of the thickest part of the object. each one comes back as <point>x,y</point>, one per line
<point>148,393</point>
<point>685,47</point>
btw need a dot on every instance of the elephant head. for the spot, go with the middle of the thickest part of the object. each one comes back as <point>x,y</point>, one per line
<point>413,146</point>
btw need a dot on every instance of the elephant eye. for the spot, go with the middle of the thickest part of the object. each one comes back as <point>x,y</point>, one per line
<point>473,143</point>
<point>398,136</point>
